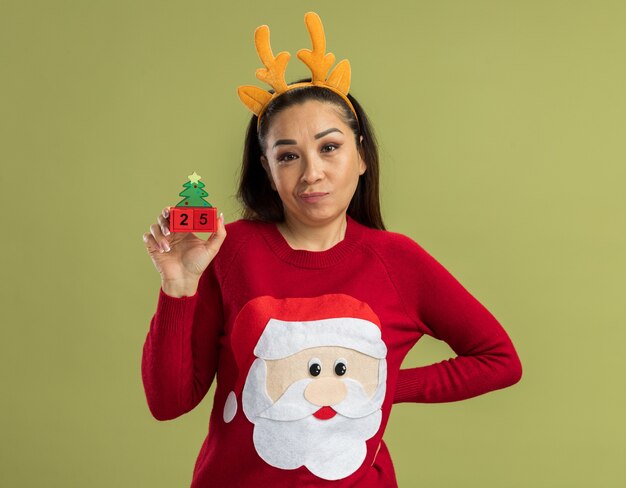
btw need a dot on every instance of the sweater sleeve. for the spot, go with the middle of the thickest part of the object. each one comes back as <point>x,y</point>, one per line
<point>180,353</point>
<point>442,308</point>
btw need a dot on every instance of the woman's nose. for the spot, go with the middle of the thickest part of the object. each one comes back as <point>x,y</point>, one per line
<point>313,170</point>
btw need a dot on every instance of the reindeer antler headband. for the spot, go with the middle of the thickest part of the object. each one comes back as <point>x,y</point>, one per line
<point>257,99</point>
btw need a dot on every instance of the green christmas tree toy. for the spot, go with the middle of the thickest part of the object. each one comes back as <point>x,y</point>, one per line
<point>193,213</point>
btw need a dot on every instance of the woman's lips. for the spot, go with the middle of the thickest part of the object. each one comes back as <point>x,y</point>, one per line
<point>312,197</point>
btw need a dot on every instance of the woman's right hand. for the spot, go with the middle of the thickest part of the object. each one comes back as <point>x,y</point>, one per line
<point>181,257</point>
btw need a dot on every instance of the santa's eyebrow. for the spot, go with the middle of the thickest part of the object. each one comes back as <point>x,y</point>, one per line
<point>291,142</point>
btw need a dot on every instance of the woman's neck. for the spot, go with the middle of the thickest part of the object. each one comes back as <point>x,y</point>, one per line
<point>319,238</point>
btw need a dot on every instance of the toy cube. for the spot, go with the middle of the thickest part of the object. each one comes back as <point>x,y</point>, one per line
<point>181,219</point>
<point>204,219</point>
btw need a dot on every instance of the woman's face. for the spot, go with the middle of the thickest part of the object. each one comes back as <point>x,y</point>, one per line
<point>312,161</point>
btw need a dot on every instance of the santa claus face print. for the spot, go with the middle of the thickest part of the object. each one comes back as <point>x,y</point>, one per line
<point>315,383</point>
<point>312,161</point>
<point>319,422</point>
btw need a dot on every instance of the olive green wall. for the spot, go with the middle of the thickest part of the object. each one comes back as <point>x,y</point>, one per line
<point>501,128</point>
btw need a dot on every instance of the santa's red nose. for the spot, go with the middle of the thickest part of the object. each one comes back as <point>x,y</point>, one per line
<point>325,413</point>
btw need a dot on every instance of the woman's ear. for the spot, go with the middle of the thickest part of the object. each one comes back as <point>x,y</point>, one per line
<point>268,171</point>
<point>362,165</point>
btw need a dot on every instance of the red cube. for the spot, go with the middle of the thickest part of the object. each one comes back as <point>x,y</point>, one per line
<point>205,219</point>
<point>181,219</point>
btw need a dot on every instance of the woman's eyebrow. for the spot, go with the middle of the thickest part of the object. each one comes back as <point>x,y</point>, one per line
<point>286,142</point>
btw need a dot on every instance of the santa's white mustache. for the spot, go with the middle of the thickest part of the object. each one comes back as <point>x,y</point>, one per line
<point>292,405</point>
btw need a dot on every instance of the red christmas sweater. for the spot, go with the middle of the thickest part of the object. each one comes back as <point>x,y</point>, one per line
<point>306,348</point>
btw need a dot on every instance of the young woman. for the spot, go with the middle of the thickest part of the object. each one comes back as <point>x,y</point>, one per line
<point>305,309</point>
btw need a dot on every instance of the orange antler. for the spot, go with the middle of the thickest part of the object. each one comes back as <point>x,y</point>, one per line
<point>318,63</point>
<point>273,74</point>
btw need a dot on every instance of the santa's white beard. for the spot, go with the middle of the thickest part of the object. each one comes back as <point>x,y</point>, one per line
<point>287,435</point>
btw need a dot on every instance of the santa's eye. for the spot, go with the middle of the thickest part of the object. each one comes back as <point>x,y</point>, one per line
<point>341,367</point>
<point>315,366</point>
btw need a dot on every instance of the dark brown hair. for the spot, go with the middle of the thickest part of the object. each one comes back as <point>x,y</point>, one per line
<point>255,193</point>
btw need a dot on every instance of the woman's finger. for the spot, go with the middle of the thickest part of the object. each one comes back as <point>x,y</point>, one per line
<point>216,239</point>
<point>150,242</point>
<point>164,223</point>
<point>155,230</point>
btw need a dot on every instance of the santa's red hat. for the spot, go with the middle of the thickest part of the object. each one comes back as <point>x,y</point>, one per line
<point>273,328</point>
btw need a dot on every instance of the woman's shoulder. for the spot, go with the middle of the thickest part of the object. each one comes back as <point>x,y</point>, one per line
<point>404,257</point>
<point>396,250</point>
<point>239,231</point>
<point>387,241</point>
<point>243,226</point>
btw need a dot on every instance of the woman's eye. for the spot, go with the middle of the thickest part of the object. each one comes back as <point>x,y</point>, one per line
<point>329,147</point>
<point>287,157</point>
